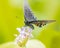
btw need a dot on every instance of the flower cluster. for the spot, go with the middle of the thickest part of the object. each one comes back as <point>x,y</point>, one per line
<point>25,34</point>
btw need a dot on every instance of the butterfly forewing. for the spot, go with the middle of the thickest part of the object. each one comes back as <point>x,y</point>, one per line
<point>27,12</point>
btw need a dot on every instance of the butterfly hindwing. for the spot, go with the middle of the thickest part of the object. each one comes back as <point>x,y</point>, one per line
<point>41,23</point>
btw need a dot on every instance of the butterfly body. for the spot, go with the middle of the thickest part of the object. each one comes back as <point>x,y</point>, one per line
<point>30,19</point>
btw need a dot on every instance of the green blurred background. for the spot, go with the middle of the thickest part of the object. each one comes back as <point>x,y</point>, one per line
<point>12,16</point>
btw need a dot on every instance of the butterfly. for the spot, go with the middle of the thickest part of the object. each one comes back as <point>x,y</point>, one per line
<point>30,19</point>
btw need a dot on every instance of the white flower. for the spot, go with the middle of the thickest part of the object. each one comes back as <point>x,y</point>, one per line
<point>25,34</point>
<point>19,30</point>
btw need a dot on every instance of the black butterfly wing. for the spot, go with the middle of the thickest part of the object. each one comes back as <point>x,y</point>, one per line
<point>27,13</point>
<point>41,23</point>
